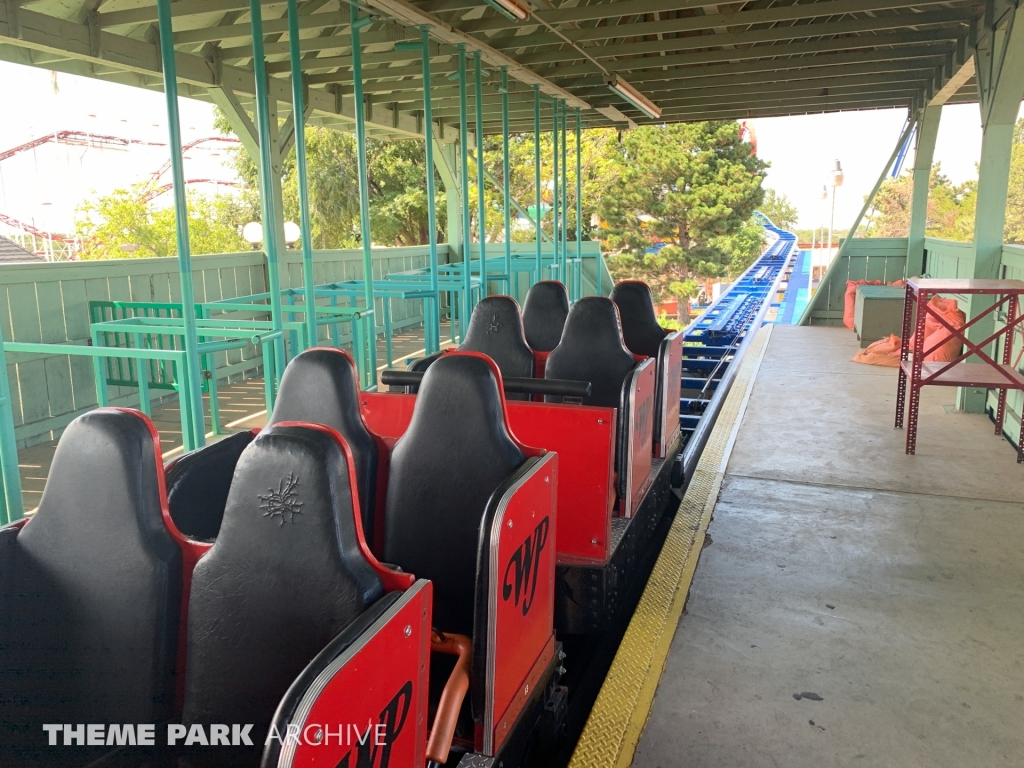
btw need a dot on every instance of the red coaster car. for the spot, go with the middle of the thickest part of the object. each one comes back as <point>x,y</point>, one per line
<point>459,501</point>
<point>616,444</point>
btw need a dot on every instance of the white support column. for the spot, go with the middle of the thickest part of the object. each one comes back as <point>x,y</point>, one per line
<point>927,131</point>
<point>999,63</point>
<point>447,164</point>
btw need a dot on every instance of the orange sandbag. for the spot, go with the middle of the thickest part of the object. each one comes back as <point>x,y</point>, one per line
<point>936,334</point>
<point>885,352</point>
<point>850,300</point>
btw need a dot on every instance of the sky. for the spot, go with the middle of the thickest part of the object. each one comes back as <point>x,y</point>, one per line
<point>44,186</point>
<point>803,149</point>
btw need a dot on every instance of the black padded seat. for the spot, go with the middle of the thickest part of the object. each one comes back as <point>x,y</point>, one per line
<point>321,386</point>
<point>640,329</point>
<point>496,330</point>
<point>198,483</point>
<point>285,576</point>
<point>90,592</point>
<point>592,350</point>
<point>544,313</point>
<point>456,452</point>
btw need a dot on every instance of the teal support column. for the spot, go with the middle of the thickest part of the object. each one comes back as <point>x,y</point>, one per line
<point>556,236</point>
<point>927,131</point>
<point>579,208</point>
<point>364,190</point>
<point>506,182</point>
<point>271,369</point>
<point>536,180</point>
<point>299,121</point>
<point>193,392</point>
<point>467,302</point>
<point>428,139</point>
<point>11,505</point>
<point>999,68</point>
<point>431,310</point>
<point>480,197</point>
<point>563,123</point>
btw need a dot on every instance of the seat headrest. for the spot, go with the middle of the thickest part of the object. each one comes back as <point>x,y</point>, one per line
<point>455,453</point>
<point>91,596</point>
<point>544,313</point>
<point>460,387</point>
<point>496,330</point>
<point>290,507</point>
<point>321,386</point>
<point>640,329</point>
<point>106,480</point>
<point>285,575</point>
<point>592,350</point>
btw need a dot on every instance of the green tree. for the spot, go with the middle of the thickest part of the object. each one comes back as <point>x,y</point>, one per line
<point>951,207</point>
<point>396,180</point>
<point>599,167</point>
<point>137,217</point>
<point>1015,200</point>
<point>947,207</point>
<point>779,209</point>
<point>691,186</point>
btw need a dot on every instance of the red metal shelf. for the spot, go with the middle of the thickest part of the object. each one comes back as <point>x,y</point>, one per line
<point>915,372</point>
<point>967,375</point>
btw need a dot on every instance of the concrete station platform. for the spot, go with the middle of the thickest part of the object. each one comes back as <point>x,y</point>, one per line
<point>890,587</point>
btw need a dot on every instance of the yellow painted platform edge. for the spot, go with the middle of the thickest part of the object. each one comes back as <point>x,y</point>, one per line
<point>623,705</point>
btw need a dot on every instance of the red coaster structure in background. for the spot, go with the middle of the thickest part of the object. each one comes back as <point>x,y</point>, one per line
<point>915,372</point>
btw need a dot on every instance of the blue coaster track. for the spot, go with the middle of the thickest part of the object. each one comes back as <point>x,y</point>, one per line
<point>714,341</point>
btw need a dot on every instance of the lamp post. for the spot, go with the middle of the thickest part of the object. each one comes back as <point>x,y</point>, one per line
<point>836,176</point>
<point>292,233</point>
<point>810,278</point>
<point>252,233</point>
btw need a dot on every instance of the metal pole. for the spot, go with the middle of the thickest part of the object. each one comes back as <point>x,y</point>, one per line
<point>506,180</point>
<point>464,191</point>
<point>810,272</point>
<point>480,201</point>
<point>563,119</point>
<point>192,398</point>
<point>364,191</point>
<point>555,236</point>
<point>275,368</point>
<point>536,177</point>
<point>579,209</point>
<point>831,224</point>
<point>299,121</point>
<point>11,505</point>
<point>428,137</point>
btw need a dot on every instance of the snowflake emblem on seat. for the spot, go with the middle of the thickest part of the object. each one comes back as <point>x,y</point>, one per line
<point>495,325</point>
<point>283,501</point>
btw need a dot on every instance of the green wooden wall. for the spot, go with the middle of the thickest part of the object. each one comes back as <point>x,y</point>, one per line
<point>49,303</point>
<point>868,258</point>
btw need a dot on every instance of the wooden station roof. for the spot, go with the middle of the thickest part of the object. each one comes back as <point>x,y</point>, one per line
<point>695,60</point>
